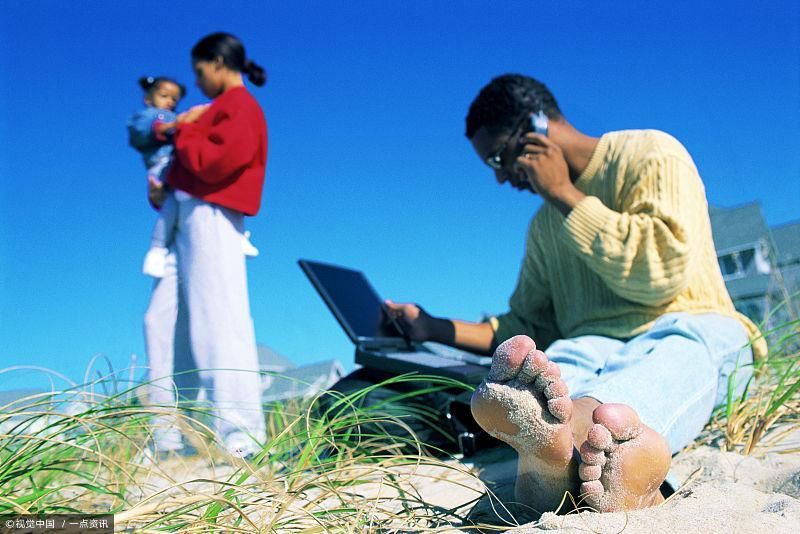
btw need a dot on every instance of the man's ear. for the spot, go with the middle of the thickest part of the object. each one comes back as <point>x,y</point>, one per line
<point>219,62</point>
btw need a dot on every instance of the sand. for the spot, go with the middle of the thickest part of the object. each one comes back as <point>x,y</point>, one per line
<point>720,492</point>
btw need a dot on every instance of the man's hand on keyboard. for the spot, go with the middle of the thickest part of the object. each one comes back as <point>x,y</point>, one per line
<point>418,324</point>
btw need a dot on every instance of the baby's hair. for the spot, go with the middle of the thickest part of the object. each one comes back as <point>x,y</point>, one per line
<point>231,50</point>
<point>152,83</point>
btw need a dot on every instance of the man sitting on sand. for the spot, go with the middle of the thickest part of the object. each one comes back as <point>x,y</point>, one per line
<point>620,284</point>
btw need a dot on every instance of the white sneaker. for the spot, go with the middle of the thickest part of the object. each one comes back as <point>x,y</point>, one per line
<point>150,455</point>
<point>240,445</point>
<point>249,249</point>
<point>155,262</point>
<point>167,437</point>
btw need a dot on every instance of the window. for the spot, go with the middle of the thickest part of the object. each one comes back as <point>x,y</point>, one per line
<point>728,265</point>
<point>746,259</point>
<point>744,262</point>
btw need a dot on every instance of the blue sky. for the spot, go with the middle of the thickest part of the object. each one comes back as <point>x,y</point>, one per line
<point>368,165</point>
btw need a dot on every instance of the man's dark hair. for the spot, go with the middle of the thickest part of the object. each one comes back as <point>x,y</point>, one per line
<point>231,50</point>
<point>502,102</point>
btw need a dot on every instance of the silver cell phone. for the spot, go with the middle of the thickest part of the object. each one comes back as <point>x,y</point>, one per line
<point>539,123</point>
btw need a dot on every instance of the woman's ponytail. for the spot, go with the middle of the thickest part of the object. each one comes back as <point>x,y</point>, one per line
<point>255,73</point>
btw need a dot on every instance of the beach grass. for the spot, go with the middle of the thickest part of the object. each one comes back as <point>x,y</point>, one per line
<point>761,413</point>
<point>330,463</point>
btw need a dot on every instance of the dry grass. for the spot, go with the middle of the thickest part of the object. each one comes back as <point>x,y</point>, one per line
<point>768,411</point>
<point>339,468</point>
<point>327,466</point>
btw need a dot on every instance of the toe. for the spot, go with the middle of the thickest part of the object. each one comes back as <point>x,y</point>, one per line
<point>550,374</point>
<point>509,358</point>
<point>552,371</point>
<point>591,489</point>
<point>589,472</point>
<point>534,364</point>
<point>558,404</point>
<point>600,437</point>
<point>556,389</point>
<point>621,420</point>
<point>591,455</point>
<point>560,408</point>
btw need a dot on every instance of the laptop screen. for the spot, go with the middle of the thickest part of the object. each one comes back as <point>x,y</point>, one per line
<point>351,299</point>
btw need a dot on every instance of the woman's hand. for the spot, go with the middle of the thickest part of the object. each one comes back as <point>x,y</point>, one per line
<point>163,129</point>
<point>192,114</point>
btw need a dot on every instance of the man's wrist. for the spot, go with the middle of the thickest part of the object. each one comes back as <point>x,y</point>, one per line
<point>442,331</point>
<point>567,199</point>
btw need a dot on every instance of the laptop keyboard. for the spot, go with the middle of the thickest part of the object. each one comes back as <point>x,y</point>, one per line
<point>453,353</point>
<point>421,358</point>
<point>440,356</point>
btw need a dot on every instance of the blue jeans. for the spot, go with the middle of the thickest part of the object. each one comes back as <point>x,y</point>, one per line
<point>673,375</point>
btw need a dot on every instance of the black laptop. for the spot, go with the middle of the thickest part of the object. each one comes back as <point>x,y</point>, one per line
<point>380,341</point>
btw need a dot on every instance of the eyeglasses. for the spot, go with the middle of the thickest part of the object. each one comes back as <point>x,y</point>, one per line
<point>495,161</point>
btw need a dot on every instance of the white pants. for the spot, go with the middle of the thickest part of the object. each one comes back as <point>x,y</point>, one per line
<point>212,328</point>
<point>169,356</point>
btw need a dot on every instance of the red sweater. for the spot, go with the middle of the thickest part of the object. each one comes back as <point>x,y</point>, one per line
<point>222,157</point>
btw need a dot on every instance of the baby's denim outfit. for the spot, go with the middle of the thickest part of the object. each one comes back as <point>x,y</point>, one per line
<point>157,155</point>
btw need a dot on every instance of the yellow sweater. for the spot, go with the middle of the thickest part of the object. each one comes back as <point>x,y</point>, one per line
<point>637,247</point>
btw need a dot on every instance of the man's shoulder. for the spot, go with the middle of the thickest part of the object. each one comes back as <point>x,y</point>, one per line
<point>646,144</point>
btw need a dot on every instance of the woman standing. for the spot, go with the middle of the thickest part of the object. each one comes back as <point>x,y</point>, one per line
<point>218,177</point>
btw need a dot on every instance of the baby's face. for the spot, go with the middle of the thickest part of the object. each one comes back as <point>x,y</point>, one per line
<point>165,96</point>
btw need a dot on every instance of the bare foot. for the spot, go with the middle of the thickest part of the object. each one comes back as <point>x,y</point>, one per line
<point>524,402</point>
<point>623,461</point>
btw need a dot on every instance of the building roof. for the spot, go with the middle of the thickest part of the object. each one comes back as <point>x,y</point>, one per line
<point>270,360</point>
<point>305,381</point>
<point>14,395</point>
<point>787,241</point>
<point>735,227</point>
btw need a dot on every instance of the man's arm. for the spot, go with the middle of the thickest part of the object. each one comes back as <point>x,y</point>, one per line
<point>641,249</point>
<point>475,337</point>
<point>421,326</point>
<point>531,313</point>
